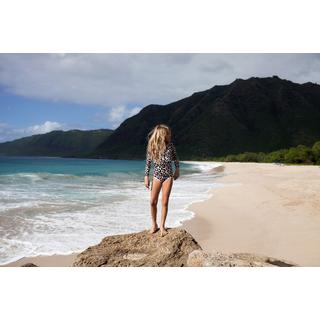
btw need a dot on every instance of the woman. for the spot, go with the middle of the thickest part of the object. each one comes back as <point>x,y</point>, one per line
<point>161,150</point>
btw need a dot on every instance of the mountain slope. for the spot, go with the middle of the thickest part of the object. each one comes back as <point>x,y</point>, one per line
<point>257,114</point>
<point>75,143</point>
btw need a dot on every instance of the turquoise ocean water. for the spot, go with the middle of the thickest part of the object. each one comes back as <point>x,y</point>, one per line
<point>61,205</point>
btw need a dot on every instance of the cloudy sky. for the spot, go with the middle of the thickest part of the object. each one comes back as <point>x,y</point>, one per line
<point>44,92</point>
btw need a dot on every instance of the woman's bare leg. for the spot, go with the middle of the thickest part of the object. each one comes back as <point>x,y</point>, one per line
<point>155,190</point>
<point>166,189</point>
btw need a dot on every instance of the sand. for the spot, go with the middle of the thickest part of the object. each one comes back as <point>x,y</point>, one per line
<point>266,209</point>
<point>45,261</point>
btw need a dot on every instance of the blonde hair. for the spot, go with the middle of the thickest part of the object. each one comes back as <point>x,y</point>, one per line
<point>158,138</point>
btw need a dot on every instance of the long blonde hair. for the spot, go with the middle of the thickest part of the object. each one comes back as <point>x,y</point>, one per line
<point>158,139</point>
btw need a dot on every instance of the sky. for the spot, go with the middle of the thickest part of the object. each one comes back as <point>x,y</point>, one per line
<point>44,92</point>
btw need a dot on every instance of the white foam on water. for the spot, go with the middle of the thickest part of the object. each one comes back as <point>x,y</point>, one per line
<point>204,166</point>
<point>61,213</point>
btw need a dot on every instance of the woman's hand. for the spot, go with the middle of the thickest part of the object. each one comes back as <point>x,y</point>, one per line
<point>146,182</point>
<point>176,174</point>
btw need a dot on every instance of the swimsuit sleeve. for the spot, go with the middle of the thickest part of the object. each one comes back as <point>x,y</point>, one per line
<point>175,157</point>
<point>148,164</point>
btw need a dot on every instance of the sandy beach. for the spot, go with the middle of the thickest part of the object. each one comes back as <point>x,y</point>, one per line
<point>55,260</point>
<point>266,209</point>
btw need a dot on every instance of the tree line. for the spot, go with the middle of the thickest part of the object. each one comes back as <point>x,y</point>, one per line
<point>294,155</point>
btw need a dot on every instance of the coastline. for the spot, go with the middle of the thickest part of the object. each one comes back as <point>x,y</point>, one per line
<point>262,208</point>
<point>66,260</point>
<point>258,208</point>
<point>55,260</point>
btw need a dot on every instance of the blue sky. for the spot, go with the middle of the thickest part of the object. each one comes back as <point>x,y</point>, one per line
<point>21,116</point>
<point>44,92</point>
<point>22,112</point>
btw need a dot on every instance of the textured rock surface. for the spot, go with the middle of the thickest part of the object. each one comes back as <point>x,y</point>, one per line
<point>140,249</point>
<point>200,258</point>
<point>176,249</point>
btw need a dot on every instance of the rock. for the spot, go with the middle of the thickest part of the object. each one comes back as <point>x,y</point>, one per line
<point>200,258</point>
<point>176,249</point>
<point>29,265</point>
<point>140,249</point>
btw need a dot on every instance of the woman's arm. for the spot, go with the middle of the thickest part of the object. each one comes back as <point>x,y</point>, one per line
<point>176,162</point>
<point>148,164</point>
<point>147,169</point>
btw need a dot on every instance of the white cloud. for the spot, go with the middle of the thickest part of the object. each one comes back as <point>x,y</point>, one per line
<point>113,80</point>
<point>134,111</point>
<point>3,126</point>
<point>117,81</point>
<point>47,126</point>
<point>114,116</point>
<point>8,133</point>
<point>119,114</point>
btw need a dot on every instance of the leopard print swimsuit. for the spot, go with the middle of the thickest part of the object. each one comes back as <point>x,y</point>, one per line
<point>163,170</point>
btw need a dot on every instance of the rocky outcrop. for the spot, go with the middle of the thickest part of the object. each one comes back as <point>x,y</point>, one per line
<point>176,249</point>
<point>200,258</point>
<point>29,265</point>
<point>140,250</point>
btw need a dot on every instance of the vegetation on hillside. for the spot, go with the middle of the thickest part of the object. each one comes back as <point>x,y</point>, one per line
<point>295,155</point>
<point>72,143</point>
<point>256,114</point>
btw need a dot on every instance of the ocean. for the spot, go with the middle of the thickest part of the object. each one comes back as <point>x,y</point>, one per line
<point>63,205</point>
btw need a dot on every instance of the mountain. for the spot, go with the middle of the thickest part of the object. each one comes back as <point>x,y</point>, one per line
<point>252,115</point>
<point>73,143</point>
<point>256,114</point>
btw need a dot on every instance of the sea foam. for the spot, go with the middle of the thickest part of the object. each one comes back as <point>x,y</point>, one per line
<point>43,213</point>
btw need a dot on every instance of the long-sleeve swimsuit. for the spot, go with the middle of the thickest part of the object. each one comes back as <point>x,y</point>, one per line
<point>163,169</point>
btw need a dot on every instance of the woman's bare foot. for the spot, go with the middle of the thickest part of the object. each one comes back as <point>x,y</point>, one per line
<point>163,231</point>
<point>154,229</point>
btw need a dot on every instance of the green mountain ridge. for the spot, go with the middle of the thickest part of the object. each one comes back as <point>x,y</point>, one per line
<point>58,143</point>
<point>252,115</point>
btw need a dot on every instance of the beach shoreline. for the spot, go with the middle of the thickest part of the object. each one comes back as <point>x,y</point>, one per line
<point>262,208</point>
<point>61,259</point>
<point>55,260</point>
<point>258,208</point>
